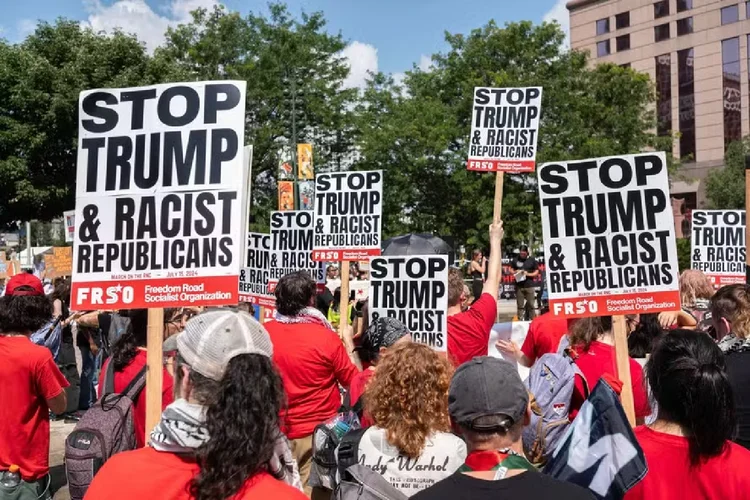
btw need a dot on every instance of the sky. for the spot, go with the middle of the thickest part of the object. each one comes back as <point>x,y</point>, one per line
<point>382,35</point>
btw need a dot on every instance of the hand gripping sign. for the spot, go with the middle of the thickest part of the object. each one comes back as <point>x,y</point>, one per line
<point>161,186</point>
<point>609,237</point>
<point>504,129</point>
<point>718,245</point>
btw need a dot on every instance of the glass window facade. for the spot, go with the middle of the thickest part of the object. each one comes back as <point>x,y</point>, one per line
<point>622,20</point>
<point>684,26</point>
<point>661,9</point>
<point>686,100</point>
<point>730,14</point>
<point>622,43</point>
<point>661,32</point>
<point>663,94</point>
<point>683,5</point>
<point>602,48</point>
<point>730,63</point>
<point>602,26</point>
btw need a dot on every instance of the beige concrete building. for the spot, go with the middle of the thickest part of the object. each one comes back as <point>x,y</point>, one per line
<point>696,51</point>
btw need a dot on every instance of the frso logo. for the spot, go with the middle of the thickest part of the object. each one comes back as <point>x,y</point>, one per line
<point>111,295</point>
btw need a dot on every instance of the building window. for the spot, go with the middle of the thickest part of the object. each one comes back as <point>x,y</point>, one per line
<point>730,14</point>
<point>661,9</point>
<point>602,48</point>
<point>661,32</point>
<point>622,43</point>
<point>602,26</point>
<point>684,26</point>
<point>683,5</point>
<point>686,99</point>
<point>747,10</point>
<point>622,20</point>
<point>730,63</point>
<point>663,94</point>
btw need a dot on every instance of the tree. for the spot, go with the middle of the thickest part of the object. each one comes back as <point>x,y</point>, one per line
<point>40,80</point>
<point>725,187</point>
<point>279,57</point>
<point>418,132</point>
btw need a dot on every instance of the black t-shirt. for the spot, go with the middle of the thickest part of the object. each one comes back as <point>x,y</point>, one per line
<point>529,265</point>
<point>528,485</point>
<point>738,373</point>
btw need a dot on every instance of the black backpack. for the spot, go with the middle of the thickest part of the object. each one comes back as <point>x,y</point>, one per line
<point>356,481</point>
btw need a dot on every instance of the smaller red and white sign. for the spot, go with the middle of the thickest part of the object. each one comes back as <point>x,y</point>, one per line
<point>70,225</point>
<point>718,245</point>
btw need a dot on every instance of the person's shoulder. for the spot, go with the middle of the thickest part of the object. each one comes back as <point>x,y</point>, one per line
<point>562,490</point>
<point>444,489</point>
<point>265,485</point>
<point>738,456</point>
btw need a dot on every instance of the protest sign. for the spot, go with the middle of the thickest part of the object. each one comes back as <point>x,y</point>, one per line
<point>504,129</point>
<point>291,247</point>
<point>348,210</point>
<point>286,170</point>
<point>70,225</point>
<point>609,236</point>
<point>305,162</point>
<point>414,290</point>
<point>286,195</point>
<point>306,194</point>
<point>254,276</point>
<point>160,191</point>
<point>58,264</point>
<point>718,245</point>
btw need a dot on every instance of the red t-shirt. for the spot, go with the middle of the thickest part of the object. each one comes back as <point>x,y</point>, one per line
<point>544,336</point>
<point>357,389</point>
<point>670,476</point>
<point>29,378</point>
<point>469,331</point>
<point>124,377</point>
<point>312,362</point>
<point>598,360</point>
<point>147,473</point>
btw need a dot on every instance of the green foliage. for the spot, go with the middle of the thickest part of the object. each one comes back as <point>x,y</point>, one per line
<point>725,187</point>
<point>683,253</point>
<point>418,134</point>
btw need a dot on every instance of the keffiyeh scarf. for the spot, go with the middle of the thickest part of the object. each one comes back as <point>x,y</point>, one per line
<point>307,315</point>
<point>182,429</point>
<point>732,343</point>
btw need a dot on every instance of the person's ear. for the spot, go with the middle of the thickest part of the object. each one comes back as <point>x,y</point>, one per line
<point>726,326</point>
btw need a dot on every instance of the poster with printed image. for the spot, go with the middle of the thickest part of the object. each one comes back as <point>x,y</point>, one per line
<point>286,164</point>
<point>609,241</point>
<point>70,225</point>
<point>305,162</point>
<point>504,129</point>
<point>718,245</point>
<point>306,194</point>
<point>414,290</point>
<point>255,275</point>
<point>161,196</point>
<point>286,195</point>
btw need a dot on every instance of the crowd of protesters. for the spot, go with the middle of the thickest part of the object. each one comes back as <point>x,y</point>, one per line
<point>242,400</point>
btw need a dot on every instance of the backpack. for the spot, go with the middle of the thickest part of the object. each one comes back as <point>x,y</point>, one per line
<point>551,383</point>
<point>118,325</point>
<point>325,440</point>
<point>106,429</point>
<point>356,481</point>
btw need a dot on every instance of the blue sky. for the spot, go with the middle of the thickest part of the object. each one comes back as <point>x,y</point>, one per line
<point>385,35</point>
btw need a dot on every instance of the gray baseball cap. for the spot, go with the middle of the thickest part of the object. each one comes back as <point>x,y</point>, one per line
<point>212,338</point>
<point>486,387</point>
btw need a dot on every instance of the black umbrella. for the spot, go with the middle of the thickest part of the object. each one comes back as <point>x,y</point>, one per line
<point>418,244</point>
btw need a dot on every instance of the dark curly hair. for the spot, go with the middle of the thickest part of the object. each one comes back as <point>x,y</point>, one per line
<point>646,335</point>
<point>242,418</point>
<point>24,313</point>
<point>126,347</point>
<point>294,292</point>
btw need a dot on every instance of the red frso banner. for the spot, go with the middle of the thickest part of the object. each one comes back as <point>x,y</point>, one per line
<point>513,167</point>
<point>161,196</point>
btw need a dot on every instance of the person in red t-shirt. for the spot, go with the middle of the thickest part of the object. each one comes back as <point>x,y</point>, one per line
<point>312,361</point>
<point>544,336</point>
<point>381,335</point>
<point>688,448</point>
<point>469,331</point>
<point>32,386</point>
<point>592,346</point>
<point>220,438</point>
<point>129,357</point>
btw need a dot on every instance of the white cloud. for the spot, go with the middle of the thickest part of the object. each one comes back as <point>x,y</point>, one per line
<point>362,59</point>
<point>25,27</point>
<point>138,18</point>
<point>560,13</point>
<point>425,63</point>
<point>398,78</point>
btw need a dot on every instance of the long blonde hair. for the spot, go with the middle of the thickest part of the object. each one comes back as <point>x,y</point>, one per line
<point>694,285</point>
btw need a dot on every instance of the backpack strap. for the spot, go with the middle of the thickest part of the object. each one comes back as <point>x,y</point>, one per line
<point>134,388</point>
<point>572,355</point>
<point>348,453</point>
<point>109,377</point>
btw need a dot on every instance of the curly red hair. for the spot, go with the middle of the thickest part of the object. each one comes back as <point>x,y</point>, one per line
<point>408,396</point>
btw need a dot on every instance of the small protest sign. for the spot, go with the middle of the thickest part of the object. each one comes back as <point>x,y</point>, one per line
<point>160,190</point>
<point>305,162</point>
<point>286,195</point>
<point>291,247</point>
<point>414,290</point>
<point>286,168</point>
<point>70,225</point>
<point>718,245</point>
<point>59,263</point>
<point>254,276</point>
<point>348,215</point>
<point>504,129</point>
<point>609,236</point>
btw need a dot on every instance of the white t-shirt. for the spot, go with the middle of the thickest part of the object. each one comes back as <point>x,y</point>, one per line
<point>443,454</point>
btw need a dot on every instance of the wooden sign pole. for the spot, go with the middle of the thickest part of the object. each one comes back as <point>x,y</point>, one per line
<point>498,210</point>
<point>262,315</point>
<point>154,361</point>
<point>623,366</point>
<point>344,303</point>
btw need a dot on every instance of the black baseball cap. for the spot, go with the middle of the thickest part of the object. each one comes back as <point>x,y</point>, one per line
<point>484,387</point>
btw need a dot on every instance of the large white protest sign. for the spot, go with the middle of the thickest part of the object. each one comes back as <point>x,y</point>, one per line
<point>70,225</point>
<point>291,245</point>
<point>348,215</point>
<point>609,237</point>
<point>254,276</point>
<point>160,190</point>
<point>414,290</point>
<point>504,129</point>
<point>718,245</point>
